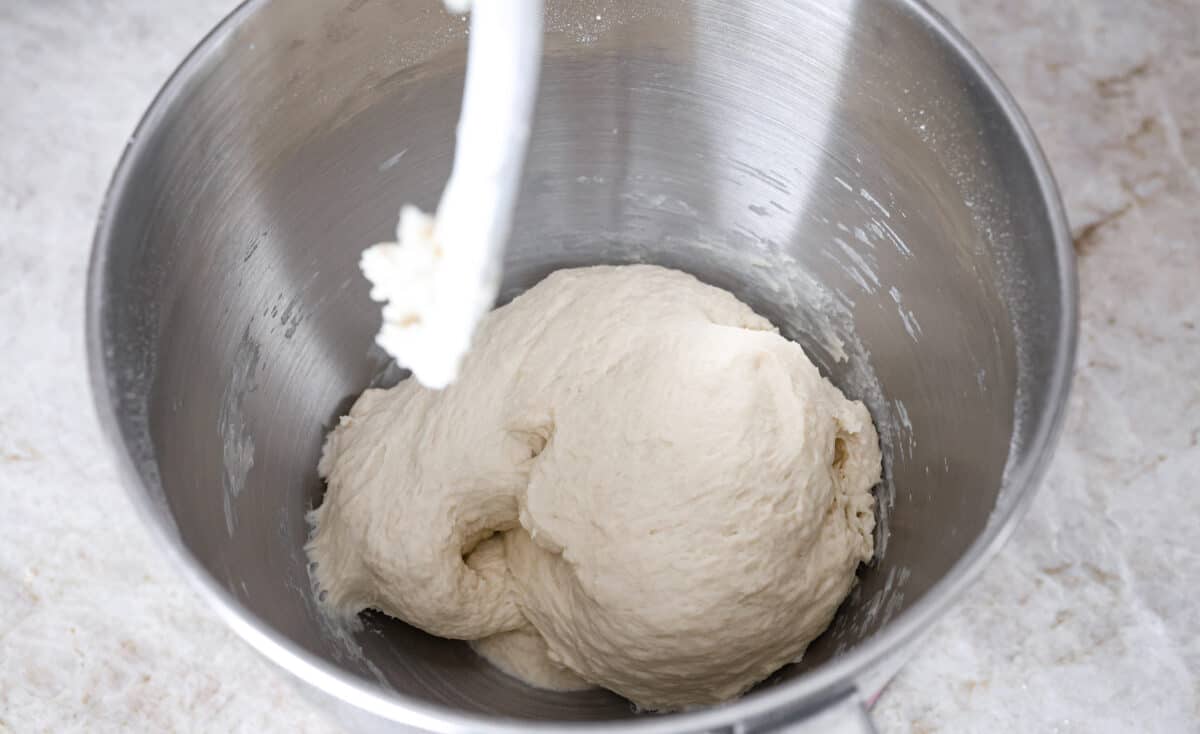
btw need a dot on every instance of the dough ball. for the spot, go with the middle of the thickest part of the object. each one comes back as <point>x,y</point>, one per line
<point>636,482</point>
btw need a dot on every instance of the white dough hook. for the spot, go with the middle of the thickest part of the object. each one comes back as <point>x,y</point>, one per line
<point>442,275</point>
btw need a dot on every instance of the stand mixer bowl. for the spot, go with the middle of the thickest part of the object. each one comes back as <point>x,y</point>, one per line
<point>848,168</point>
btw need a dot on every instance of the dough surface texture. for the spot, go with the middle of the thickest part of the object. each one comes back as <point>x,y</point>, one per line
<point>635,483</point>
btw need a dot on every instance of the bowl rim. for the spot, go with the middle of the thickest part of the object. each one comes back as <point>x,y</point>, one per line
<point>824,686</point>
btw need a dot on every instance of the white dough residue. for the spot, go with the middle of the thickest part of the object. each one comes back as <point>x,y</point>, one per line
<point>635,483</point>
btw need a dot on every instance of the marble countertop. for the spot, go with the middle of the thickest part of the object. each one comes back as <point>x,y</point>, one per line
<point>1089,620</point>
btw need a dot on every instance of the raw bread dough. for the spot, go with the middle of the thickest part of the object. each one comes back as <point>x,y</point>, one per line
<point>635,482</point>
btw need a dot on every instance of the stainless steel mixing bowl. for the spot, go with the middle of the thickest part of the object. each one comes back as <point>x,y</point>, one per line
<point>850,168</point>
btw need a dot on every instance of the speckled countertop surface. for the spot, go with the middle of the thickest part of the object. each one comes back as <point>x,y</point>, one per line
<point>1089,620</point>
